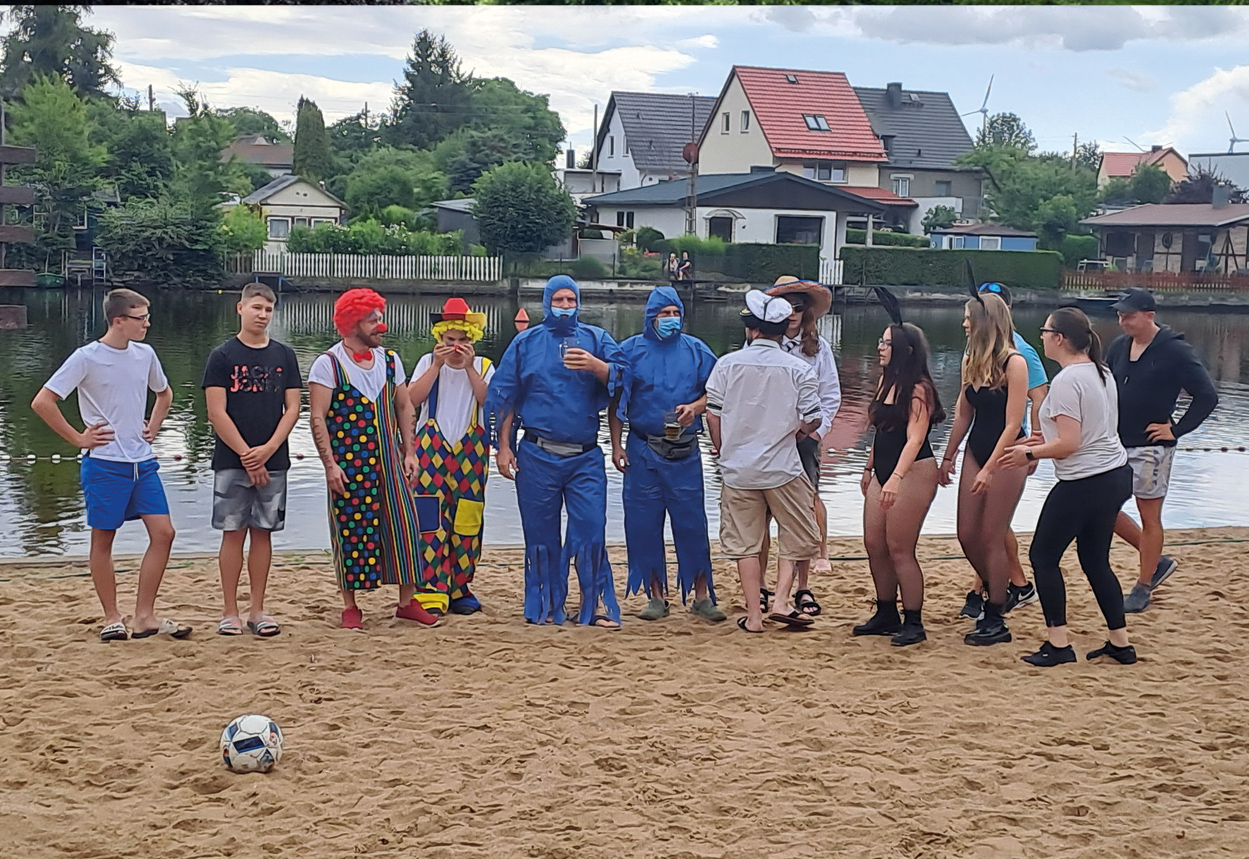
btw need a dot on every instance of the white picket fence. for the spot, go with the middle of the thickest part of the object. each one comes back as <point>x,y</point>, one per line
<point>380,267</point>
<point>830,271</point>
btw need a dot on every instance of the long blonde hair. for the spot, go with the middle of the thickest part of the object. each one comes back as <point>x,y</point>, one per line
<point>990,342</point>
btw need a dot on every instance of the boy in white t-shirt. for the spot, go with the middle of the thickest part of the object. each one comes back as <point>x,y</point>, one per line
<point>120,479</point>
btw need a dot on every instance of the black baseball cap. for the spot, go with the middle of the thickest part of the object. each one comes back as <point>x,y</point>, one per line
<point>1135,299</point>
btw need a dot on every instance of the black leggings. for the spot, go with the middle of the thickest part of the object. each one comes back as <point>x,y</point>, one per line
<point>1085,511</point>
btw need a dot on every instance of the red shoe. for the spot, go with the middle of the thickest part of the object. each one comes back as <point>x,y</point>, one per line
<point>413,611</point>
<point>353,618</point>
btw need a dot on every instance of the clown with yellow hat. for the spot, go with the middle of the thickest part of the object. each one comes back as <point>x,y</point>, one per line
<point>453,456</point>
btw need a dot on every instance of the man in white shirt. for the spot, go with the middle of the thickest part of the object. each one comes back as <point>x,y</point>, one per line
<point>119,471</point>
<point>759,400</point>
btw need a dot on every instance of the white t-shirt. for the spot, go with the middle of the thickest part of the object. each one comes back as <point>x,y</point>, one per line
<point>1079,392</point>
<point>368,382</point>
<point>112,388</point>
<point>455,396</point>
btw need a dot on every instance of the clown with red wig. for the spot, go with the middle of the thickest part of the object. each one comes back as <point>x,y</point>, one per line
<point>453,454</point>
<point>363,425</point>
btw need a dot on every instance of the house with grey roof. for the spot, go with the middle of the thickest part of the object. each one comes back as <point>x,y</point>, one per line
<point>923,135</point>
<point>291,201</point>
<point>1177,237</point>
<point>642,134</point>
<point>983,237</point>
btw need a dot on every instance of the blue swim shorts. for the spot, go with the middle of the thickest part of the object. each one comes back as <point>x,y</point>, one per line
<point>118,492</point>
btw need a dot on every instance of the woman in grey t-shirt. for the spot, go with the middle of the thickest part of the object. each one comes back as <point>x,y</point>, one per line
<point>1079,423</point>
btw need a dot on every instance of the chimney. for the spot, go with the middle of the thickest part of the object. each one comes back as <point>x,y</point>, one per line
<point>1155,148</point>
<point>893,94</point>
<point>572,159</point>
<point>1221,196</point>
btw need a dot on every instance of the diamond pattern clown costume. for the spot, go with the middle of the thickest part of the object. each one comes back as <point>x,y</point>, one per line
<point>559,463</point>
<point>453,456</point>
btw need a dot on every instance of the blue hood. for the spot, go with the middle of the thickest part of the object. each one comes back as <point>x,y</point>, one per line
<point>565,325</point>
<point>661,297</point>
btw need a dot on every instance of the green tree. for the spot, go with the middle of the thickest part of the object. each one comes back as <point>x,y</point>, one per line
<point>1089,155</point>
<point>501,106</point>
<point>353,137</point>
<point>1006,130</point>
<point>1117,192</point>
<point>201,177</point>
<point>243,231</point>
<point>520,209</point>
<point>1055,217</point>
<point>251,121</point>
<point>1150,183</point>
<point>388,176</point>
<point>435,97</point>
<point>937,217</point>
<point>1198,187</point>
<point>140,151</point>
<point>52,41</point>
<point>66,173</point>
<point>163,241</point>
<point>312,143</point>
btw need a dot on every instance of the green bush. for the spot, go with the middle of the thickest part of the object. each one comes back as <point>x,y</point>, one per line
<point>635,264</point>
<point>646,238</point>
<point>880,237</point>
<point>372,237</point>
<point>915,267</point>
<point>162,241</point>
<point>1076,248</point>
<point>587,268</point>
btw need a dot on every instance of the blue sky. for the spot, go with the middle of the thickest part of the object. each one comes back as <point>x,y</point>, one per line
<point>1153,74</point>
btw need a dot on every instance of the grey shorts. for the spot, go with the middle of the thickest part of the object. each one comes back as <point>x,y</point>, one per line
<point>237,504</point>
<point>1151,470</point>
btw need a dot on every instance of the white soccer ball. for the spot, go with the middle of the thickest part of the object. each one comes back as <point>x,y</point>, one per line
<point>251,744</point>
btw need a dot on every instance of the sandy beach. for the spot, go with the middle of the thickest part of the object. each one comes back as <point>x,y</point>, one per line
<point>677,738</point>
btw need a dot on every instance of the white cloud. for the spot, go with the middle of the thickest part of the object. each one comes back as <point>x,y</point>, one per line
<point>1135,81</point>
<point>1198,113</point>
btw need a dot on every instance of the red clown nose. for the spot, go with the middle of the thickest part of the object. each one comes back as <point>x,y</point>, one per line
<point>381,328</point>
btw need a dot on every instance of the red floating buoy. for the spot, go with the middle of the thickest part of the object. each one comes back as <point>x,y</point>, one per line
<point>522,319</point>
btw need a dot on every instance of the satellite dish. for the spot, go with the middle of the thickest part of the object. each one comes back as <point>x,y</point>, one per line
<point>690,153</point>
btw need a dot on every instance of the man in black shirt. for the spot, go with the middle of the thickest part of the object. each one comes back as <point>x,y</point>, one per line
<point>252,385</point>
<point>1152,364</point>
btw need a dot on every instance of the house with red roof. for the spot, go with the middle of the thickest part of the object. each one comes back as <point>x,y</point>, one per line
<point>277,158</point>
<point>1121,165</point>
<point>809,123</point>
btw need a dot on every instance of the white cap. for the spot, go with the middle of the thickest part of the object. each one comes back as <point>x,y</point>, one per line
<point>766,307</point>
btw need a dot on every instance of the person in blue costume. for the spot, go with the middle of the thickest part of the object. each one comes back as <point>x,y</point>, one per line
<point>553,382</point>
<point>661,464</point>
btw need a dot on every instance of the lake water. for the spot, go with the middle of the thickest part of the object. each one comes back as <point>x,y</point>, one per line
<point>41,508</point>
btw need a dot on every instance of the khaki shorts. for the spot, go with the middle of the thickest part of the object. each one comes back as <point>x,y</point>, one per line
<point>1151,470</point>
<point>744,520</point>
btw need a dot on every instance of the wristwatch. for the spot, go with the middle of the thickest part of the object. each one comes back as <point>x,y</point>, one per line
<point>1028,454</point>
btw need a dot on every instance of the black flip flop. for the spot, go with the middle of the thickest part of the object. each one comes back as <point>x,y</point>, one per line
<point>114,632</point>
<point>794,618</point>
<point>167,627</point>
<point>764,596</point>
<point>805,602</point>
<point>594,623</point>
<point>741,624</point>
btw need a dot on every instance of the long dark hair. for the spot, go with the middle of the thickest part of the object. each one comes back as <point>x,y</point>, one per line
<point>1073,324</point>
<point>907,369</point>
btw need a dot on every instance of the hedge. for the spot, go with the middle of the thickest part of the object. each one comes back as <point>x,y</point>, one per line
<point>880,237</point>
<point>1076,248</point>
<point>915,267</point>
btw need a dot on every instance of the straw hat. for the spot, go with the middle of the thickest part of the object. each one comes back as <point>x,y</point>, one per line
<point>818,295</point>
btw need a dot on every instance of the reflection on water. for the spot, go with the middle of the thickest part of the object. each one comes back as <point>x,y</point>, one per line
<point>41,510</point>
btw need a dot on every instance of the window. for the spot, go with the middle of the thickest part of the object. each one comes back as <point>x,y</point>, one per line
<point>815,122</point>
<point>720,227</point>
<point>611,145</point>
<point>943,189</point>
<point>956,242</point>
<point>724,124</point>
<point>824,171</point>
<point>620,219</point>
<point>902,186</point>
<point>795,230</point>
<point>301,222</point>
<point>82,222</point>
<point>793,79</point>
<point>629,220</point>
<point>745,121</point>
<point>990,243</point>
<point>316,222</point>
<point>279,228</point>
<point>626,146</point>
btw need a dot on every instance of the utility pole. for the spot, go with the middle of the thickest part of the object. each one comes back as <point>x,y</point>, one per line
<point>365,113</point>
<point>691,217</point>
<point>151,98</point>
<point>594,152</point>
<point>1075,147</point>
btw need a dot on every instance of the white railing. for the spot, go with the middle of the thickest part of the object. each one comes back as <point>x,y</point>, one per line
<point>830,271</point>
<point>380,267</point>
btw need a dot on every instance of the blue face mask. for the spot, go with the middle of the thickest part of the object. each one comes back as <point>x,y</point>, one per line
<point>563,312</point>
<point>668,326</point>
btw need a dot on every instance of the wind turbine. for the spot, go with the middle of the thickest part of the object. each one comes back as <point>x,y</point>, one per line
<point>1231,147</point>
<point>1134,143</point>
<point>983,110</point>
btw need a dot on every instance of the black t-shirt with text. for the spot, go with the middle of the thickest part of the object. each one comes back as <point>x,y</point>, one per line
<point>256,381</point>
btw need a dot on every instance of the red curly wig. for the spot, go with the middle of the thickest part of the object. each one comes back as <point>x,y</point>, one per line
<point>352,306</point>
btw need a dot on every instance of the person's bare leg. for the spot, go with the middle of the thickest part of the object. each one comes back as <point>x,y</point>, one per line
<point>786,571</point>
<point>230,564</point>
<point>103,575</point>
<point>1017,577</point>
<point>700,588</point>
<point>821,524</point>
<point>259,558</point>
<point>997,510</point>
<point>160,534</point>
<point>970,516</point>
<point>406,593</point>
<point>1152,536</point>
<point>1127,530</point>
<point>349,598</point>
<point>875,541</point>
<point>750,573</point>
<point>903,522</point>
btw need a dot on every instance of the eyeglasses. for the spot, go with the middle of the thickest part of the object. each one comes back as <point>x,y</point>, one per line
<point>883,342</point>
<point>144,318</point>
<point>1050,331</point>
